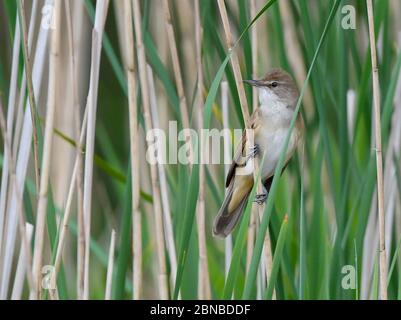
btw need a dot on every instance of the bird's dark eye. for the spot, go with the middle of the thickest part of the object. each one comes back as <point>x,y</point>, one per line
<point>274,84</point>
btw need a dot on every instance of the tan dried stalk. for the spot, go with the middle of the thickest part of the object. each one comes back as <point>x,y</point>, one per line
<point>227,155</point>
<point>267,256</point>
<point>267,251</point>
<point>31,95</point>
<point>110,264</point>
<point>80,136</point>
<point>21,266</point>
<point>379,160</point>
<point>22,146</point>
<point>47,147</point>
<point>203,271</point>
<point>97,34</point>
<point>177,74</point>
<point>159,229</point>
<point>75,172</point>
<point>254,215</point>
<point>10,117</point>
<point>19,116</point>
<point>17,190</point>
<point>134,147</point>
<point>234,63</point>
<point>168,224</point>
<point>294,52</point>
<point>67,210</point>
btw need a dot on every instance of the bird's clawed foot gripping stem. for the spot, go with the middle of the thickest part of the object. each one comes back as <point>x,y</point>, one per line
<point>253,151</point>
<point>261,197</point>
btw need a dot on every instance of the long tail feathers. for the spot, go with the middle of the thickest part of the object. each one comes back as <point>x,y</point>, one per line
<point>225,221</point>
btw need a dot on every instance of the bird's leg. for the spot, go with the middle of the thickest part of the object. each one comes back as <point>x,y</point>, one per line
<point>261,197</point>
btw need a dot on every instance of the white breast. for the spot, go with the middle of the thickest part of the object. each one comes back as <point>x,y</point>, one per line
<point>272,135</point>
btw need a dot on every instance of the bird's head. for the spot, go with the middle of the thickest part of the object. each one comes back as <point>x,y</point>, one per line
<point>277,86</point>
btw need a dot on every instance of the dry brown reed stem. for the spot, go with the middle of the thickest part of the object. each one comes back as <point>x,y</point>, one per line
<point>4,258</point>
<point>81,239</point>
<point>19,116</point>
<point>159,229</point>
<point>168,224</point>
<point>234,63</point>
<point>254,215</point>
<point>75,172</point>
<point>203,272</point>
<point>267,251</point>
<point>10,117</point>
<point>134,148</point>
<point>245,114</point>
<point>227,155</point>
<point>67,210</point>
<point>177,74</point>
<point>97,34</point>
<point>79,159</point>
<point>22,146</point>
<point>110,264</point>
<point>378,149</point>
<point>47,147</point>
<point>267,255</point>
<point>254,48</point>
<point>251,237</point>
<point>31,95</point>
<point>294,52</point>
<point>390,184</point>
<point>21,266</point>
<point>16,189</point>
<point>21,101</point>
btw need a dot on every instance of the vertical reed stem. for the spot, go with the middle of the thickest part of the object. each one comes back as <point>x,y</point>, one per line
<point>153,168</point>
<point>47,148</point>
<point>67,214</point>
<point>177,73</point>
<point>203,271</point>
<point>31,95</point>
<point>227,155</point>
<point>78,166</point>
<point>168,224</point>
<point>21,217</point>
<point>22,266</point>
<point>379,161</point>
<point>10,117</point>
<point>110,264</point>
<point>100,20</point>
<point>254,214</point>
<point>21,153</point>
<point>134,147</point>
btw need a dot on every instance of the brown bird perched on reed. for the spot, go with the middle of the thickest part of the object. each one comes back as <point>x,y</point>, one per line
<point>270,123</point>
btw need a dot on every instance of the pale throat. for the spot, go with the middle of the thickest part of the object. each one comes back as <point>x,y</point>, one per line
<point>274,108</point>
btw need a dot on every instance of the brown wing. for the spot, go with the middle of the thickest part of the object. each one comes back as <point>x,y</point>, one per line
<point>239,155</point>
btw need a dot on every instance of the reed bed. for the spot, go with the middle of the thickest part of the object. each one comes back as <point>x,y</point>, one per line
<point>85,213</point>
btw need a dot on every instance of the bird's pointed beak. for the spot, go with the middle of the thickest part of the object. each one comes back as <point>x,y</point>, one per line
<point>255,83</point>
